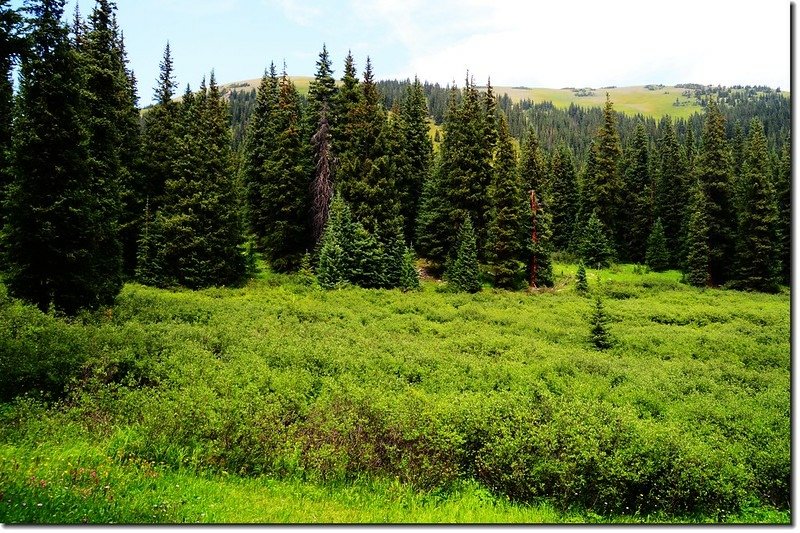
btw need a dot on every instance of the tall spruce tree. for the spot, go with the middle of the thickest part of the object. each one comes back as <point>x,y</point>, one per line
<point>60,244</point>
<point>533,167</point>
<point>698,258</point>
<point>434,233</point>
<point>602,190</point>
<point>784,198</point>
<point>507,226</point>
<point>564,202</point>
<point>202,229</point>
<point>260,145</point>
<point>714,175</point>
<point>671,191</point>
<point>757,242</point>
<point>321,90</point>
<point>11,45</point>
<point>540,266</point>
<point>160,136</point>
<point>463,273</point>
<point>657,258</point>
<point>343,124</point>
<point>418,150</point>
<point>638,198</point>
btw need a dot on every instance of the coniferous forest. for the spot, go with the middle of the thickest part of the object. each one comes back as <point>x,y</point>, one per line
<point>383,291</point>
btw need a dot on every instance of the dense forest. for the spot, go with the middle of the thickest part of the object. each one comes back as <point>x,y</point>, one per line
<point>341,183</point>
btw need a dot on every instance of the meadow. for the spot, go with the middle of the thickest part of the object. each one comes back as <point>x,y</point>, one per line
<point>234,404</point>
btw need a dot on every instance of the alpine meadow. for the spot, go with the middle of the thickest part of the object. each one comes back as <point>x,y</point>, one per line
<point>341,299</point>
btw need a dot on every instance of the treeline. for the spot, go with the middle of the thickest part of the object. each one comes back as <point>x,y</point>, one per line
<point>339,185</point>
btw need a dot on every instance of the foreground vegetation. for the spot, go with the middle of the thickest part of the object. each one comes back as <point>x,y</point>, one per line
<point>230,405</point>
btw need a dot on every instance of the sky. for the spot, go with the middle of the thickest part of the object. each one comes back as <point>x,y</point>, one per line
<point>573,43</point>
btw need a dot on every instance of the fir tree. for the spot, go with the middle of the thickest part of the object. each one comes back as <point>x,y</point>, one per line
<point>713,173</point>
<point>657,258</point>
<point>334,265</point>
<point>600,335</point>
<point>418,150</point>
<point>595,247</point>
<point>540,267</point>
<point>507,227</point>
<point>638,197</point>
<point>463,273</point>
<point>11,45</point>
<point>60,245</point>
<point>203,233</point>
<point>409,275</point>
<point>260,147</point>
<point>603,186</point>
<point>738,150</point>
<point>321,90</point>
<point>533,167</point>
<point>564,203</point>
<point>698,253</point>
<point>159,135</point>
<point>322,185</point>
<point>671,192</point>
<point>433,222</point>
<point>344,126</point>
<point>306,272</point>
<point>757,242</point>
<point>784,198</point>
<point>581,283</point>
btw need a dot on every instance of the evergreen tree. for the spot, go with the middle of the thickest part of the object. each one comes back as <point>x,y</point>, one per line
<point>344,126</point>
<point>784,198</point>
<point>564,203</point>
<point>463,274</point>
<point>286,184</point>
<point>600,337</point>
<point>713,173</point>
<point>260,147</point>
<point>657,258</point>
<point>306,272</point>
<point>60,245</point>
<point>159,136</point>
<point>698,252</point>
<point>203,233</point>
<point>11,45</point>
<point>671,192</point>
<point>334,265</point>
<point>418,151</point>
<point>757,242</point>
<point>638,197</point>
<point>507,227</point>
<point>738,150</point>
<point>581,283</point>
<point>321,90</point>
<point>541,266</point>
<point>603,186</point>
<point>595,247</point>
<point>433,222</point>
<point>322,185</point>
<point>409,276</point>
<point>533,167</point>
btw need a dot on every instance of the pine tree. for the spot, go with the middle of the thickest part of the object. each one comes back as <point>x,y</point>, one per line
<point>203,232</point>
<point>638,197</point>
<point>260,147</point>
<point>581,283</point>
<point>757,242</point>
<point>434,233</point>
<point>595,247</point>
<point>463,273</point>
<point>671,192</point>
<point>322,185</point>
<point>409,276</point>
<point>343,124</point>
<point>603,186</point>
<point>713,173</point>
<point>698,253</point>
<point>321,90</point>
<point>333,267</point>
<point>533,167</point>
<point>59,244</point>
<point>564,203</point>
<point>159,135</point>
<point>738,150</point>
<point>600,337</point>
<point>657,258</point>
<point>418,150</point>
<point>784,198</point>
<point>540,267</point>
<point>507,226</point>
<point>11,45</point>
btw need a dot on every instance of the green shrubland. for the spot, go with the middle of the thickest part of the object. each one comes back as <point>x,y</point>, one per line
<point>378,405</point>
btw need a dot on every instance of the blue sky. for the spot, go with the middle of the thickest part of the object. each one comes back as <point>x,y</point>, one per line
<point>533,43</point>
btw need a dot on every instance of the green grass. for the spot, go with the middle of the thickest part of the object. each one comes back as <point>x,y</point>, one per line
<point>229,405</point>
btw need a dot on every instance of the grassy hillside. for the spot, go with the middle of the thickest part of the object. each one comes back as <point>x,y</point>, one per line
<point>231,405</point>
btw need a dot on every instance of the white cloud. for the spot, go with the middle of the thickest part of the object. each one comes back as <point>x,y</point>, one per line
<point>297,11</point>
<point>589,43</point>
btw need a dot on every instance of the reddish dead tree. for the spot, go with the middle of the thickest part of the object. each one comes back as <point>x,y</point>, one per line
<point>321,187</point>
